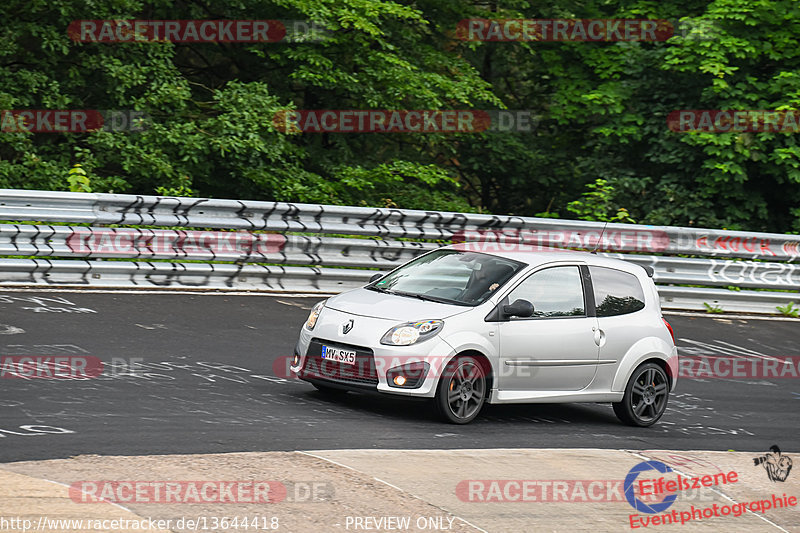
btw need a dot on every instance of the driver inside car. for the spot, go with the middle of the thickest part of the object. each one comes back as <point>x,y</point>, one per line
<point>485,279</point>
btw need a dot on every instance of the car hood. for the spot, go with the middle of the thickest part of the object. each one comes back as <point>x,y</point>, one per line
<point>375,304</point>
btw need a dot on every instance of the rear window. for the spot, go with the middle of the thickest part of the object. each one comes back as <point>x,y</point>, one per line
<point>616,292</point>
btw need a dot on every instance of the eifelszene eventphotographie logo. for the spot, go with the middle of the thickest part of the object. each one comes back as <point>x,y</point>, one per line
<point>777,465</point>
<point>630,484</point>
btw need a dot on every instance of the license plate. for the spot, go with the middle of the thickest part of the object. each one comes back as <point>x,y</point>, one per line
<point>339,354</point>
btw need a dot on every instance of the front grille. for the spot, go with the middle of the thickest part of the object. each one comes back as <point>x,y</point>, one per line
<point>361,373</point>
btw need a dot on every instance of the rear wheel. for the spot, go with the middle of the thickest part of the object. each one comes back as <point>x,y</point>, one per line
<point>645,398</point>
<point>461,391</point>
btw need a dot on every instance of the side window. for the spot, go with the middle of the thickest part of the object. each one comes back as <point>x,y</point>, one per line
<point>555,291</point>
<point>616,292</point>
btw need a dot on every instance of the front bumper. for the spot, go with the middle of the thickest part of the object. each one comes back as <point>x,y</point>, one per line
<point>373,360</point>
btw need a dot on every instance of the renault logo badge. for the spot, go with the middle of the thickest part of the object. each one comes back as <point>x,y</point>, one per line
<point>347,326</point>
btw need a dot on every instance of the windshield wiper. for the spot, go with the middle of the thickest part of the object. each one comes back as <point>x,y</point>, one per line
<point>424,297</point>
<point>379,289</point>
<point>427,298</point>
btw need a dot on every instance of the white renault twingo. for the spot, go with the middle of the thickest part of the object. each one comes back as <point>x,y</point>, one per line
<point>465,328</point>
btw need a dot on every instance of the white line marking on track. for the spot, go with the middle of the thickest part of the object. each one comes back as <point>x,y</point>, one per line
<point>7,329</point>
<point>394,487</point>
<point>294,304</point>
<point>734,352</point>
<point>700,314</point>
<point>86,493</point>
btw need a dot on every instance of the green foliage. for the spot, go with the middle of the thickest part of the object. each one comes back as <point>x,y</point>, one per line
<point>183,190</point>
<point>604,109</point>
<point>601,149</point>
<point>412,185</point>
<point>211,106</point>
<point>714,309</point>
<point>789,310</point>
<point>78,180</point>
<point>597,204</point>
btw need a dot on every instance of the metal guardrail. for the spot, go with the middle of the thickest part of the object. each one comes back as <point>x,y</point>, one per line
<point>147,244</point>
<point>266,232</point>
<point>145,275</point>
<point>104,209</point>
<point>242,247</point>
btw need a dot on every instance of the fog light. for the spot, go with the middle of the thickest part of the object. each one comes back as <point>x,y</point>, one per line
<point>407,376</point>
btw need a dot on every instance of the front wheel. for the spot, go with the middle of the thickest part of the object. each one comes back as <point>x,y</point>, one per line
<point>645,398</point>
<point>461,391</point>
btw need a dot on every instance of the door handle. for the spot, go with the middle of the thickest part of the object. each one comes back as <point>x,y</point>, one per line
<point>599,336</point>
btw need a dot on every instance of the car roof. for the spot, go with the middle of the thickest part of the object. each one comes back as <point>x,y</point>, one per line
<point>537,258</point>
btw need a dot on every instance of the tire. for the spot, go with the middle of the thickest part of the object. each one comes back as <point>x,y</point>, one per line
<point>461,391</point>
<point>329,391</point>
<point>646,396</point>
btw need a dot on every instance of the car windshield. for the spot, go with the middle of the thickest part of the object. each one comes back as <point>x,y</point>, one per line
<point>450,276</point>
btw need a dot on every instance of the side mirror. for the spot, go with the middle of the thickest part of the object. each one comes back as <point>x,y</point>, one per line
<point>375,277</point>
<point>520,308</point>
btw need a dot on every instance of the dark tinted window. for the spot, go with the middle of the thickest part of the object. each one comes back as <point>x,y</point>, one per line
<point>616,292</point>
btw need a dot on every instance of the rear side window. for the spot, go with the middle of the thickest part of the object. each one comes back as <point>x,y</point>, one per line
<point>616,292</point>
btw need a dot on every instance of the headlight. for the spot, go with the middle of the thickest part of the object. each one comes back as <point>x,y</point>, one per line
<point>314,315</point>
<point>411,332</point>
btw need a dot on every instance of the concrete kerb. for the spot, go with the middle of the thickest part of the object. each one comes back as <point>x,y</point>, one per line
<point>418,484</point>
<point>46,505</point>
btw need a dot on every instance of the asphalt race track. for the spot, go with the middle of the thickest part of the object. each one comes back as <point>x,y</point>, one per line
<point>193,373</point>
